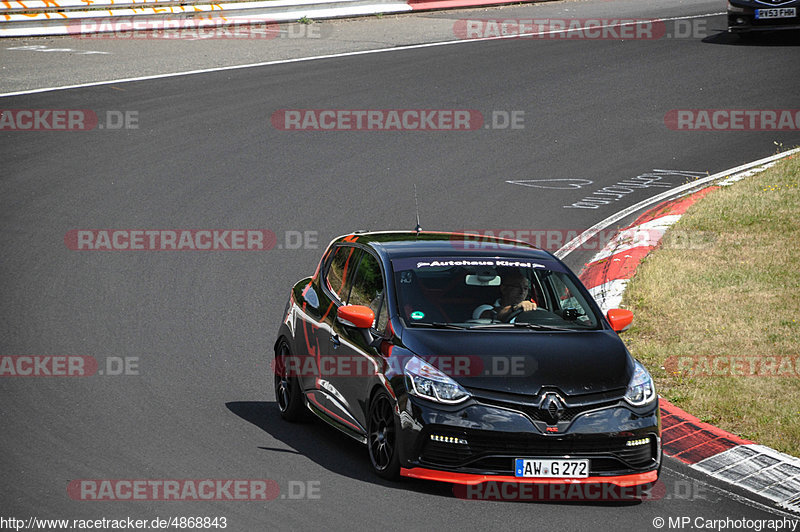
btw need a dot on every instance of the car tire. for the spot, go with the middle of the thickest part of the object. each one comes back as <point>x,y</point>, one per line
<point>382,436</point>
<point>288,396</point>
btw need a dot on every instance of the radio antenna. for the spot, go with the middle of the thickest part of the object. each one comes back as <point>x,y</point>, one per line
<point>418,228</point>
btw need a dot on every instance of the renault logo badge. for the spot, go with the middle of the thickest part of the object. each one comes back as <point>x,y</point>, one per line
<point>551,407</point>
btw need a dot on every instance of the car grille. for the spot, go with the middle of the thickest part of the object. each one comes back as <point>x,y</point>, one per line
<point>533,411</point>
<point>493,451</point>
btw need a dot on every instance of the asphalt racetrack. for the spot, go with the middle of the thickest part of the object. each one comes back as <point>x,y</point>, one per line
<point>196,328</point>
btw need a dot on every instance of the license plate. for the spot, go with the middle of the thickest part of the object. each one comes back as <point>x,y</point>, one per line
<point>546,468</point>
<point>780,12</point>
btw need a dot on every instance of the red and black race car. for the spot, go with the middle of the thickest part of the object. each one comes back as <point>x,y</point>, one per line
<point>467,360</point>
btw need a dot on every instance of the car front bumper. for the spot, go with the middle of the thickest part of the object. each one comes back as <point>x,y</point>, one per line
<point>477,442</point>
<point>741,18</point>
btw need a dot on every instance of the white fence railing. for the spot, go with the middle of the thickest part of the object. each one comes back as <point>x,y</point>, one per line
<point>23,18</point>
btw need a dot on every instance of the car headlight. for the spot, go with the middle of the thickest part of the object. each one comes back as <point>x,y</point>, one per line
<point>641,389</point>
<point>424,380</point>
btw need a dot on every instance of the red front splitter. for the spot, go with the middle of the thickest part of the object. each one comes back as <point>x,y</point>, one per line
<point>623,481</point>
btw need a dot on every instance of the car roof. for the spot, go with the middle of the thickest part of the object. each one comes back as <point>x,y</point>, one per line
<point>400,244</point>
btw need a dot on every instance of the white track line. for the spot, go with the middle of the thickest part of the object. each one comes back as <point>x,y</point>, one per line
<point>338,55</point>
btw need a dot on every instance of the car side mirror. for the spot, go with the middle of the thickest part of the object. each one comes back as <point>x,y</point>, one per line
<point>620,319</point>
<point>358,316</point>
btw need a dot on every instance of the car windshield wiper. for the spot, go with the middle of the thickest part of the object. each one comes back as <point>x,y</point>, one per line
<point>541,327</point>
<point>437,325</point>
<point>535,326</point>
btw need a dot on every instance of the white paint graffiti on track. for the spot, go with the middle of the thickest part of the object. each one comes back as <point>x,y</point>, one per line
<point>621,189</point>
<point>43,48</point>
<point>576,242</point>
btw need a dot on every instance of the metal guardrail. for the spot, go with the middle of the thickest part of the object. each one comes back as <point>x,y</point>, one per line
<point>25,18</point>
<point>36,6</point>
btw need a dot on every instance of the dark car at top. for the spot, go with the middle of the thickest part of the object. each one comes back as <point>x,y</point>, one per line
<point>389,342</point>
<point>746,17</point>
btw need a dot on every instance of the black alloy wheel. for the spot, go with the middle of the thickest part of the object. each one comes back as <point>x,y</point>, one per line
<point>382,436</point>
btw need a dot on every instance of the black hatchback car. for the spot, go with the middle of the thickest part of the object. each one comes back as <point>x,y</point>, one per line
<point>747,16</point>
<point>465,361</point>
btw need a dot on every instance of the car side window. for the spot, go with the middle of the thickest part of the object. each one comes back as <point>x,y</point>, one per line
<point>340,271</point>
<point>564,297</point>
<point>368,290</point>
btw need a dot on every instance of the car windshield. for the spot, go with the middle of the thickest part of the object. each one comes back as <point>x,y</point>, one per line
<point>489,293</point>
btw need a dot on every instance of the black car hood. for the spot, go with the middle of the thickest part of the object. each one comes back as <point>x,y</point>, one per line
<point>525,361</point>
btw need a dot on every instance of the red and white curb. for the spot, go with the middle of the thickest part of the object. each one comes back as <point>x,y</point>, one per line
<point>759,469</point>
<point>609,272</point>
<point>756,468</point>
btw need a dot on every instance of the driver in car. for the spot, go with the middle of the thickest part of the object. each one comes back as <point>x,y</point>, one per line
<point>514,292</point>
